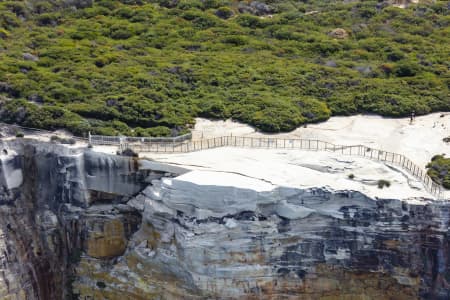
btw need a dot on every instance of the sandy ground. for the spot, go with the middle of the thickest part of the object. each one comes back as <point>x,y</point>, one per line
<point>292,168</point>
<point>419,141</point>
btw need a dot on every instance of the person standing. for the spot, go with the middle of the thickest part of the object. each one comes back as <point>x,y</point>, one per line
<point>412,117</point>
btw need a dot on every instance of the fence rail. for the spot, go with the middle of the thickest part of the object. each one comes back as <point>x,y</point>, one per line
<point>299,144</point>
<point>120,140</point>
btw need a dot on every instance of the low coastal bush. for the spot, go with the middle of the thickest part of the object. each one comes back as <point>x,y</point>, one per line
<point>383,183</point>
<point>439,170</point>
<point>151,67</point>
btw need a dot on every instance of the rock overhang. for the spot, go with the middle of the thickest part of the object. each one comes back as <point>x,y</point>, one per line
<point>267,169</point>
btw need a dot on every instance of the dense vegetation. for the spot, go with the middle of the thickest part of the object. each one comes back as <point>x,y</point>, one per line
<point>439,170</point>
<point>150,67</point>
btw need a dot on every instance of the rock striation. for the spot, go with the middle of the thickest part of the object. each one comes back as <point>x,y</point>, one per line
<point>76,224</point>
<point>58,204</point>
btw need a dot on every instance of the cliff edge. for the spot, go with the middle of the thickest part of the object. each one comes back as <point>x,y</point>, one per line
<point>76,224</point>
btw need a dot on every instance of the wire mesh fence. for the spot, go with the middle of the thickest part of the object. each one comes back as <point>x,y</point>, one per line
<point>300,144</point>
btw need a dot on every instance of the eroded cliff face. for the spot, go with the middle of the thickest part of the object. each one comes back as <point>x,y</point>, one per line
<point>80,225</point>
<point>58,204</point>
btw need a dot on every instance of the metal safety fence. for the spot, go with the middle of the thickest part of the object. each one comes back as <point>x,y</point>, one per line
<point>118,140</point>
<point>283,143</point>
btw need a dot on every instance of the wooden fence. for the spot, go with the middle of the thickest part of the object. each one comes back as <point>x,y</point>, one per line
<point>299,144</point>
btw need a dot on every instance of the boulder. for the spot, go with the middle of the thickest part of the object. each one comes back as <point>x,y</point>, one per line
<point>255,8</point>
<point>30,57</point>
<point>338,33</point>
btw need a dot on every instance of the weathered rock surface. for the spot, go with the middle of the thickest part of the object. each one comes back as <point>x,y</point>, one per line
<point>255,8</point>
<point>58,204</point>
<point>338,33</point>
<point>81,225</point>
<point>403,3</point>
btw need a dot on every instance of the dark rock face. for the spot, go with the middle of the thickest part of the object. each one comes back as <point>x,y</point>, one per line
<point>76,224</point>
<point>312,243</point>
<point>55,205</point>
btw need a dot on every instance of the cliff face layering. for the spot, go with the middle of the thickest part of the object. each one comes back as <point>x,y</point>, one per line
<point>76,224</point>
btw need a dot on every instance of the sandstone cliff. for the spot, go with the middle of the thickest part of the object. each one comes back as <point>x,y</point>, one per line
<point>76,224</point>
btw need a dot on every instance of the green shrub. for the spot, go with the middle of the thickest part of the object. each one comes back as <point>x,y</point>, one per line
<point>406,69</point>
<point>8,20</point>
<point>251,21</point>
<point>439,170</point>
<point>158,131</point>
<point>214,109</point>
<point>120,32</point>
<point>4,33</point>
<point>189,4</point>
<point>200,20</point>
<point>383,183</point>
<point>235,40</point>
<point>207,4</point>
<point>313,110</point>
<point>224,12</point>
<point>48,19</point>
